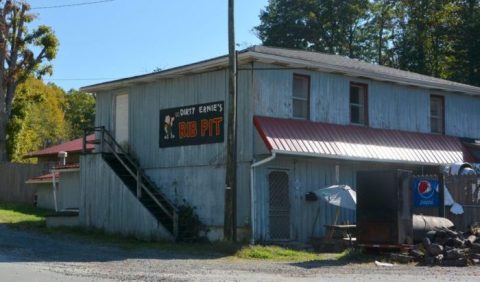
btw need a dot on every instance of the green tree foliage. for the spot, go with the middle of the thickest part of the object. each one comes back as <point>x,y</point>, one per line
<point>37,118</point>
<point>434,37</point>
<point>464,66</point>
<point>23,53</point>
<point>80,112</point>
<point>330,26</point>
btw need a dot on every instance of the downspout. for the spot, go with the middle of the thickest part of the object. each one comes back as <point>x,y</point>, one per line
<point>252,191</point>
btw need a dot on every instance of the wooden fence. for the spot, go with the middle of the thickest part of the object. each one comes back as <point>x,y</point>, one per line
<point>12,182</point>
<point>465,190</point>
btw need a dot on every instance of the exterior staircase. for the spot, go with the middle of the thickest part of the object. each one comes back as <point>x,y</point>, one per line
<point>131,174</point>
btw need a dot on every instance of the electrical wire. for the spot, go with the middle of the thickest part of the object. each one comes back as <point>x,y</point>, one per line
<point>72,5</point>
<point>74,79</point>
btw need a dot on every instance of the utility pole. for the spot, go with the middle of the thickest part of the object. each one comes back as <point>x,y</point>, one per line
<point>230,220</point>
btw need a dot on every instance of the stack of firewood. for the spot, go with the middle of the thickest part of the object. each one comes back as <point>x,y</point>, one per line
<point>449,248</point>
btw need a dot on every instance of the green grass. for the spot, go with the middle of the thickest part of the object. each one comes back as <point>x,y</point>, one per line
<point>26,217</point>
<point>22,216</point>
<point>276,253</point>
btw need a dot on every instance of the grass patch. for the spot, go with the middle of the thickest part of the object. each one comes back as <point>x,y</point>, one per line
<point>27,217</point>
<point>276,253</point>
<point>22,216</point>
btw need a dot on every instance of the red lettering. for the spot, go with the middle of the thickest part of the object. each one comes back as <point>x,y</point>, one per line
<point>204,126</point>
<point>216,122</point>
<point>192,128</point>
<point>182,130</point>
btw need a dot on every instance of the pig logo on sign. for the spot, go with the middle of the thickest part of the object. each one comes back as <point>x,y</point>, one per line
<point>167,127</point>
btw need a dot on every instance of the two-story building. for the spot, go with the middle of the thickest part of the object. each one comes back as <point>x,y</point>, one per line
<point>306,120</point>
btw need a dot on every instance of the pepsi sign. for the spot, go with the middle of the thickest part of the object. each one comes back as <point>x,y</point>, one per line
<point>425,192</point>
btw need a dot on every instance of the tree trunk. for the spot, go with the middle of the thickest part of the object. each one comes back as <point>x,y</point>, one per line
<point>3,137</point>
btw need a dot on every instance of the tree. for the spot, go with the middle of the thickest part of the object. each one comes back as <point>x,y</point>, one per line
<point>289,24</point>
<point>331,26</point>
<point>22,54</point>
<point>37,119</point>
<point>79,112</point>
<point>380,31</point>
<point>465,65</point>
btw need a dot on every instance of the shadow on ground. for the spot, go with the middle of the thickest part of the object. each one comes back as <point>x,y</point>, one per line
<point>22,242</point>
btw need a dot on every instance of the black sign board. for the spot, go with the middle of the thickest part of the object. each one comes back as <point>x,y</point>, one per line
<point>192,125</point>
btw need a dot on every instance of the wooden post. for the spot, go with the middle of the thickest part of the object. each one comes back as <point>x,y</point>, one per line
<point>229,230</point>
<point>102,139</point>
<point>84,143</point>
<point>441,195</point>
<point>139,183</point>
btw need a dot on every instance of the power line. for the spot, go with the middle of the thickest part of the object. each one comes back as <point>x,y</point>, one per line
<point>72,5</point>
<point>73,79</point>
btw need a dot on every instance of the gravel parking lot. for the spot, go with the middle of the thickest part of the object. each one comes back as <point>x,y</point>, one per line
<point>31,256</point>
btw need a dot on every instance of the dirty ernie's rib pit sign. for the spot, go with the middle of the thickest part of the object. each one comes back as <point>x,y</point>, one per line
<point>192,125</point>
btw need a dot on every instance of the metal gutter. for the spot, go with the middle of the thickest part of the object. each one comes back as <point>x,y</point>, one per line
<point>252,192</point>
<point>350,158</point>
<point>39,181</point>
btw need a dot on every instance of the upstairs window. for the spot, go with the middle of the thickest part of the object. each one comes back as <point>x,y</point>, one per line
<point>358,104</point>
<point>301,96</point>
<point>437,114</point>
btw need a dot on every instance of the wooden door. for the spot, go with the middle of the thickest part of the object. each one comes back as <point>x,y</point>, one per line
<point>121,119</point>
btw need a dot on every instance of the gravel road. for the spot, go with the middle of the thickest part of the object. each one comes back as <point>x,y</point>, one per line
<point>30,256</point>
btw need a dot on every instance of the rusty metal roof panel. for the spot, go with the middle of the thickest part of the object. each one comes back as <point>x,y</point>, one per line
<point>291,136</point>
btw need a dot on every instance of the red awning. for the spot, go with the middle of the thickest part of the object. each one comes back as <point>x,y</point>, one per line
<point>307,138</point>
<point>47,178</point>
<point>74,146</point>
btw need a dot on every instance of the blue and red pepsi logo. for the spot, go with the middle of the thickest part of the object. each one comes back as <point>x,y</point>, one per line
<point>425,189</point>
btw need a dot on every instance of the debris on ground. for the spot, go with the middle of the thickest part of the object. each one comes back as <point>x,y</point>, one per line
<point>384,264</point>
<point>446,247</point>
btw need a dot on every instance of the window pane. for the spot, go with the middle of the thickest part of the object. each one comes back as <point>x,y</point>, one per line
<point>436,114</point>
<point>354,114</point>
<point>434,125</point>
<point>358,107</point>
<point>300,87</point>
<point>435,108</point>
<point>300,103</point>
<point>300,109</point>
<point>354,95</point>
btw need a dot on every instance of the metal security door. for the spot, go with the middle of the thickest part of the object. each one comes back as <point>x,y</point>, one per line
<point>279,208</point>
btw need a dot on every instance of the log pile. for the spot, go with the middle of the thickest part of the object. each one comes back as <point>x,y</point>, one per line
<point>449,248</point>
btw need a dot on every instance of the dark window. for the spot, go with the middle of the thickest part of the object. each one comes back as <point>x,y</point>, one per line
<point>437,114</point>
<point>358,104</point>
<point>301,96</point>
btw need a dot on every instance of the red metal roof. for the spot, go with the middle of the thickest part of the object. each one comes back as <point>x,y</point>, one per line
<point>47,178</point>
<point>299,137</point>
<point>73,146</point>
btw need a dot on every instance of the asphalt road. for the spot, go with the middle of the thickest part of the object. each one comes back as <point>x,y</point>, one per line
<point>30,256</point>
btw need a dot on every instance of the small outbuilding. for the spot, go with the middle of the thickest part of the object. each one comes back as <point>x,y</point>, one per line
<point>59,187</point>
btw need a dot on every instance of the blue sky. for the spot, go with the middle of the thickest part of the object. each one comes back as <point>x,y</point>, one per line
<point>123,38</point>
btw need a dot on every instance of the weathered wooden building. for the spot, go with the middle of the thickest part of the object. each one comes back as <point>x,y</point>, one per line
<point>306,120</point>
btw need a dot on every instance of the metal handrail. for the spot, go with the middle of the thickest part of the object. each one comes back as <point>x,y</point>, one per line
<point>139,176</point>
